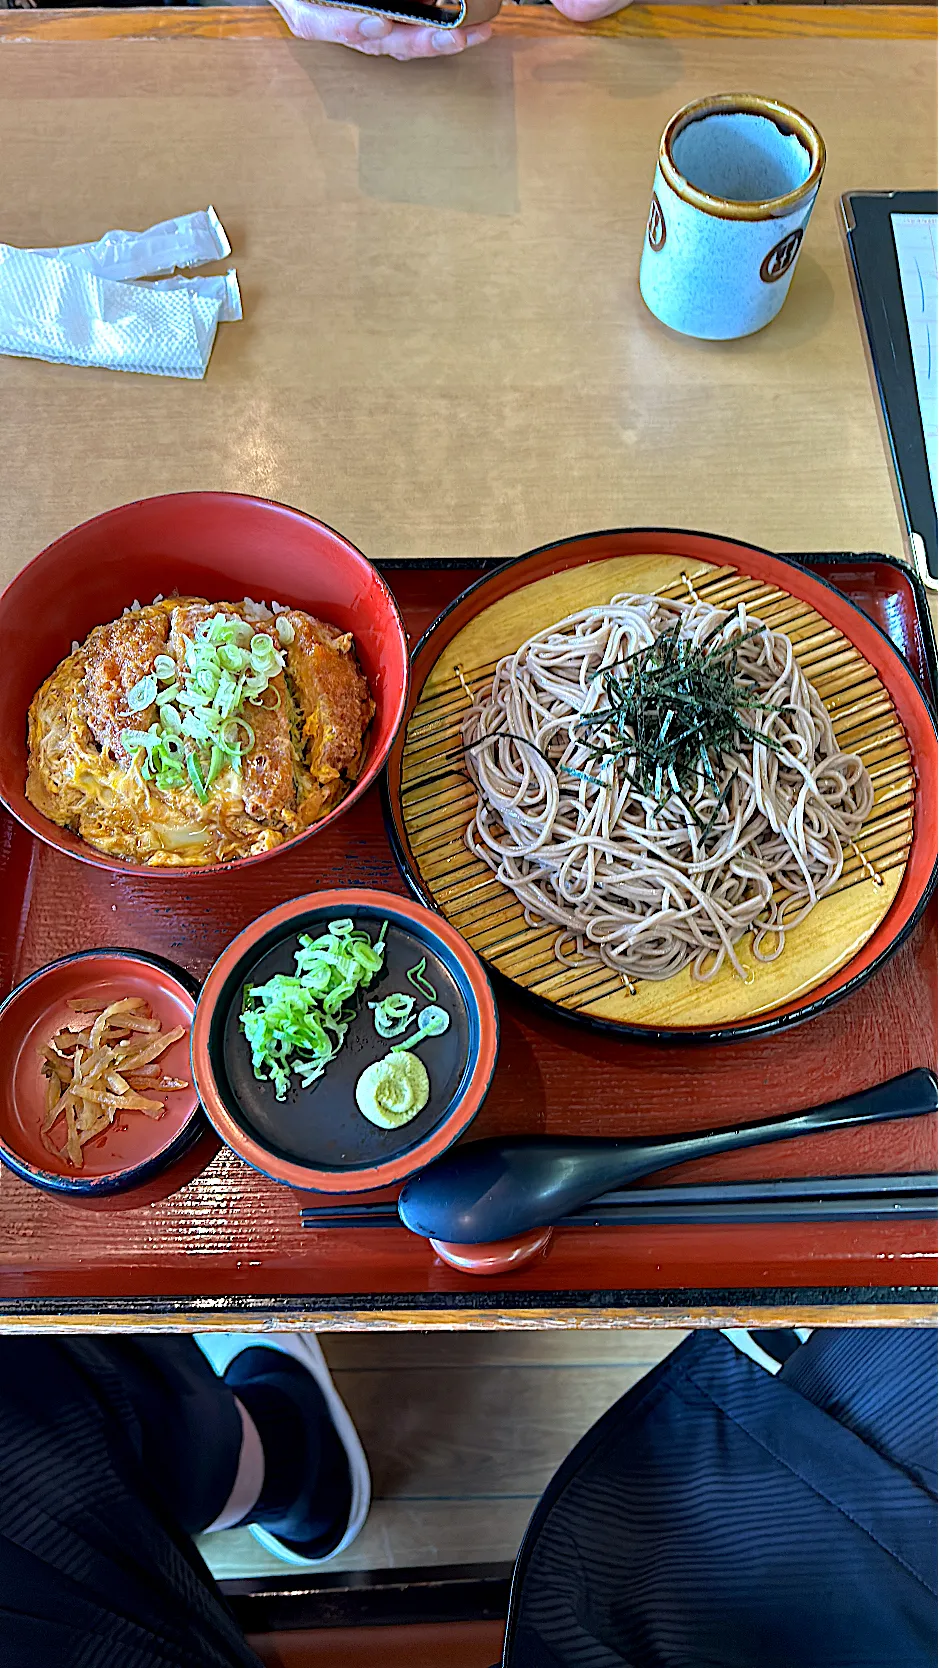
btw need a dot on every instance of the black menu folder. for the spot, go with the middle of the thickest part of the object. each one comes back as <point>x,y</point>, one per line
<point>892,243</point>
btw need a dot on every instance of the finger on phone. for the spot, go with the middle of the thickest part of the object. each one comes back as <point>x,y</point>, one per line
<point>376,36</point>
<point>331,23</point>
<point>589,11</point>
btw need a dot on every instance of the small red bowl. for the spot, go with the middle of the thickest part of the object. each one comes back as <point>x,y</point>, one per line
<point>219,545</point>
<point>317,1138</point>
<point>135,1146</point>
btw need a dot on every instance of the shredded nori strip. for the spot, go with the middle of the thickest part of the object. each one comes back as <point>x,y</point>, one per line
<point>674,709</point>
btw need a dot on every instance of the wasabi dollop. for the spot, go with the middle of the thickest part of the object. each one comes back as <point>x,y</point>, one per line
<point>392,1091</point>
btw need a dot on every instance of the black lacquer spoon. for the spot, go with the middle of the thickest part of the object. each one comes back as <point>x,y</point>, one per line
<point>493,1190</point>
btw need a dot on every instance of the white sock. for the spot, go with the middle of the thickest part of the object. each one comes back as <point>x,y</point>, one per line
<point>249,1477</point>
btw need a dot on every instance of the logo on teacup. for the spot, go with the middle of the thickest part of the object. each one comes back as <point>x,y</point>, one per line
<point>781,257</point>
<point>656,225</point>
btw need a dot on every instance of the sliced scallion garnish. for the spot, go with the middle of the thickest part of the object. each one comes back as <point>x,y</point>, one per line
<point>392,1015</point>
<point>143,694</point>
<point>224,666</point>
<point>195,777</point>
<point>431,1022</point>
<point>296,1024</point>
<point>415,977</point>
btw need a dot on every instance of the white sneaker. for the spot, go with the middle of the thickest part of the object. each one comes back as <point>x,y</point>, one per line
<point>220,1350</point>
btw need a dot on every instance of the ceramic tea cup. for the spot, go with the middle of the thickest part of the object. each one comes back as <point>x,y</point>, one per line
<point>735,184</point>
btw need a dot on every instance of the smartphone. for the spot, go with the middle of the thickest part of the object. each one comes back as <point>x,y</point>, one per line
<point>450,15</point>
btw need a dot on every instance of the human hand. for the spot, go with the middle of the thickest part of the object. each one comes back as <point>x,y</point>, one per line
<point>588,11</point>
<point>378,36</point>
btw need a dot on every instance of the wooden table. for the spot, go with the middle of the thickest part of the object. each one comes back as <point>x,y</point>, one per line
<point>444,351</point>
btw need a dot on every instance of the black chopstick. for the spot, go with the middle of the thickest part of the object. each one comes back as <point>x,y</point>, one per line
<point>781,1187</point>
<point>910,1206</point>
<point>813,1199</point>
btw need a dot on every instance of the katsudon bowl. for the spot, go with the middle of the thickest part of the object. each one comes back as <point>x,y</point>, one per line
<point>225,548</point>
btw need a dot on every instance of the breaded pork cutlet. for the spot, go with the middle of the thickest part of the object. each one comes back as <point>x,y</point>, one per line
<point>332,696</point>
<point>117,656</point>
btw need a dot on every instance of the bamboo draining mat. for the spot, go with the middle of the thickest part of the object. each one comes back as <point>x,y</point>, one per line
<point>438,801</point>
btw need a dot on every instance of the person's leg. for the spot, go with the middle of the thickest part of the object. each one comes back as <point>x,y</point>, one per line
<point>317,1489</point>
<point>717,1516</point>
<point>879,1383</point>
<point>113,1452</point>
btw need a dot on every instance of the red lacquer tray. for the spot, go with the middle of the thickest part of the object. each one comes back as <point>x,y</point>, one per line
<point>212,1240</point>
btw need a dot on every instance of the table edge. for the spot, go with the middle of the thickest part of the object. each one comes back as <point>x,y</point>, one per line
<point>915,1306</point>
<point>755,21</point>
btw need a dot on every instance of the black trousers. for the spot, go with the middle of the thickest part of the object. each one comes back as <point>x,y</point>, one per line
<point>717,1517</point>
<point>112,1453</point>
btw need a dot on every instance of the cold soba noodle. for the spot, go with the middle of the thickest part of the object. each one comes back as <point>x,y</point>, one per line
<point>665,780</point>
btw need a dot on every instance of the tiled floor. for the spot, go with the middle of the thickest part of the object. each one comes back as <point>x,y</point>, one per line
<point>463,1430</point>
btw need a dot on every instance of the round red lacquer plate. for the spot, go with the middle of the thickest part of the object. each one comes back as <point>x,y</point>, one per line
<point>878,708</point>
<point>135,1146</point>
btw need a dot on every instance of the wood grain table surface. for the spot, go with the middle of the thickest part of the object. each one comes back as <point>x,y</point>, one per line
<point>444,351</point>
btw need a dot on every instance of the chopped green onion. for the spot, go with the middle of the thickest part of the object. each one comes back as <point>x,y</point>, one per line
<point>192,765</point>
<point>415,976</point>
<point>143,694</point>
<point>392,1014</point>
<point>431,1022</point>
<point>225,664</point>
<point>131,740</point>
<point>285,631</point>
<point>296,1024</point>
<point>218,759</point>
<point>259,701</point>
<point>232,658</point>
<point>223,628</point>
<point>229,735</point>
<point>195,725</point>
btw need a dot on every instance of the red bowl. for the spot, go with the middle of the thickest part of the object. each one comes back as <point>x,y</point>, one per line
<point>135,1146</point>
<point>317,1138</point>
<point>219,545</point>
